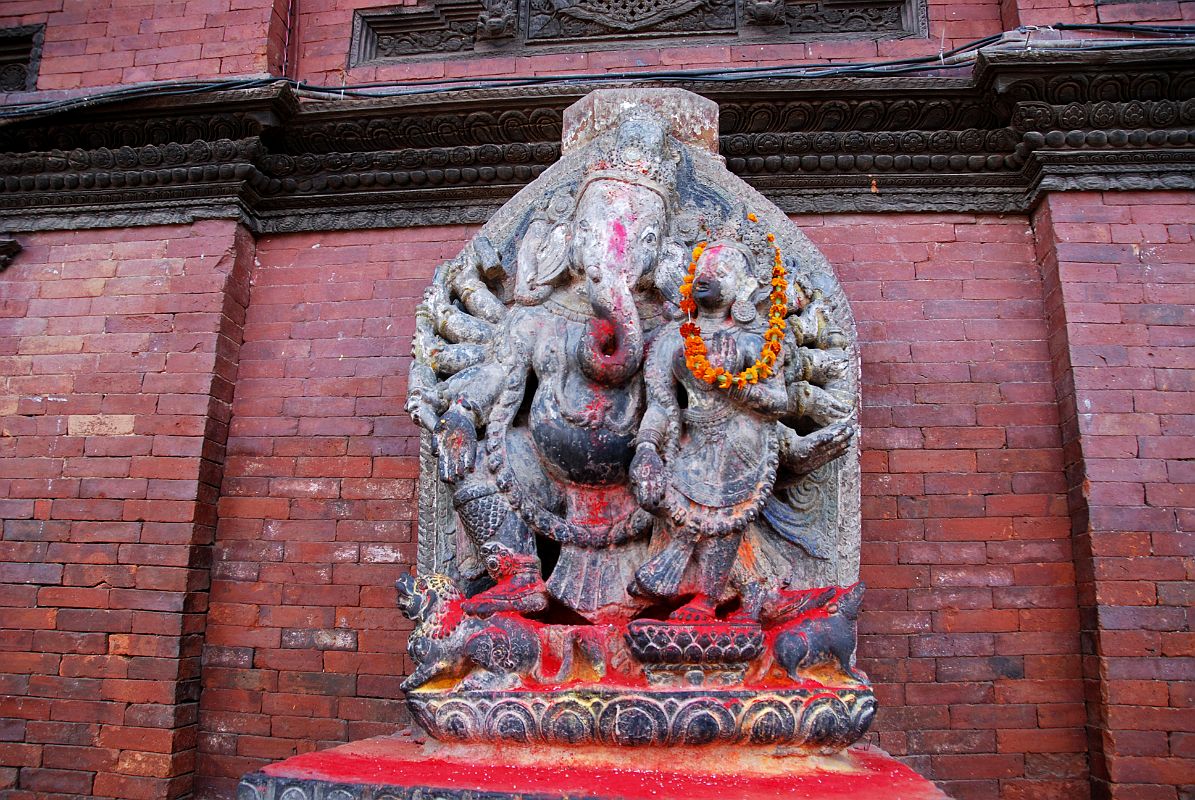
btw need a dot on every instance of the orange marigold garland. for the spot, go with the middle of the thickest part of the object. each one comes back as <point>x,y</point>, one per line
<point>696,355</point>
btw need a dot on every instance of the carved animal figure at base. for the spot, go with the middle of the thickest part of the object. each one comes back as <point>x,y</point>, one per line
<point>823,636</point>
<point>517,584</point>
<point>437,644</point>
<point>501,651</point>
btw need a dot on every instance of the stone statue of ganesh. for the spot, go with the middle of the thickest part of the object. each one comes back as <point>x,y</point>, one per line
<point>638,384</point>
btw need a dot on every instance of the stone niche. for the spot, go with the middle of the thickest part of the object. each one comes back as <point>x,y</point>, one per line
<point>639,519</point>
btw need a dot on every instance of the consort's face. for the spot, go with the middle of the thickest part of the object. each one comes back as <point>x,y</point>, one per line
<point>720,272</point>
<point>618,229</point>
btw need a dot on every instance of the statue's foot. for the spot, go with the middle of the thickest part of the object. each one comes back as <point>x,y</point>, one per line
<point>743,617</point>
<point>524,597</point>
<point>787,604</point>
<point>697,610</point>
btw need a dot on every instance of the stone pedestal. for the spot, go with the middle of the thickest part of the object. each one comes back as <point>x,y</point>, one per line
<point>397,768</point>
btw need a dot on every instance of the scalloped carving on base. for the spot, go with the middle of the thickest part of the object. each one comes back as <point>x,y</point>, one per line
<point>820,720</point>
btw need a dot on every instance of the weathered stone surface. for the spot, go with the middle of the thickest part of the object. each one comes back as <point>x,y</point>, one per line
<point>640,386</point>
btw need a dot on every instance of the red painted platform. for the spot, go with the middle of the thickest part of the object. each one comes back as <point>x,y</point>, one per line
<point>397,767</point>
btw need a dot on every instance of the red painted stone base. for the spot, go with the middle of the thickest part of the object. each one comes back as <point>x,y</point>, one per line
<point>396,768</point>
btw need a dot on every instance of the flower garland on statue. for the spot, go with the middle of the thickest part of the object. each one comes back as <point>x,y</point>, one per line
<point>696,354</point>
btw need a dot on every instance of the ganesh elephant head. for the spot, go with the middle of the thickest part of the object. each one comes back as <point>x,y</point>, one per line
<point>618,234</point>
<point>607,248</point>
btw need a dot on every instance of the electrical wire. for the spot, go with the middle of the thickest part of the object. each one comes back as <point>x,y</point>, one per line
<point>1123,28</point>
<point>953,59</point>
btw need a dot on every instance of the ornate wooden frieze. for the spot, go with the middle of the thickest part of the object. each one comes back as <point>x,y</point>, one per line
<point>555,20</point>
<point>20,52</point>
<point>1021,124</point>
<point>437,27</point>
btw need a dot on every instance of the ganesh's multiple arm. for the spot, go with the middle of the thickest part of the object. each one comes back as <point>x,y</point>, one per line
<point>817,366</point>
<point>513,367</point>
<point>486,395</point>
<point>803,454</point>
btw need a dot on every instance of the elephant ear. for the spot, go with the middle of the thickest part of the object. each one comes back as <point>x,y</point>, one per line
<point>543,257</point>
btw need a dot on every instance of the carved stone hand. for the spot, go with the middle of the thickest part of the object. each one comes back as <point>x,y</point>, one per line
<point>647,477</point>
<point>807,453</point>
<point>456,443</point>
<point>822,366</point>
<point>820,406</point>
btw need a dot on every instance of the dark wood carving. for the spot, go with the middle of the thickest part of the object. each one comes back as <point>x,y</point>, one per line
<point>8,251</point>
<point>1022,123</point>
<point>20,52</point>
<point>826,17</point>
<point>448,26</point>
<point>597,19</point>
<point>461,26</point>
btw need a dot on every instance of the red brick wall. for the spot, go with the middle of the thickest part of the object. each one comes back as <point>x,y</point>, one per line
<point>1047,12</point>
<point>1166,11</point>
<point>970,628</point>
<point>118,350</point>
<point>103,42</point>
<point>111,42</point>
<point>127,41</point>
<point>304,644</point>
<point>1122,306</point>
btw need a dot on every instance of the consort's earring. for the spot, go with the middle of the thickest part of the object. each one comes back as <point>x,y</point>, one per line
<point>743,311</point>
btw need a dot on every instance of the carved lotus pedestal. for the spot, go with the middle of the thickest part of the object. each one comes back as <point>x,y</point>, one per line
<point>396,768</point>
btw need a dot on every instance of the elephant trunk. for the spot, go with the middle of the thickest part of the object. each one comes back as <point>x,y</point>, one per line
<point>611,350</point>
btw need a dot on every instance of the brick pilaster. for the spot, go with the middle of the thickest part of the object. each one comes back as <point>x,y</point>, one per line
<point>1120,303</point>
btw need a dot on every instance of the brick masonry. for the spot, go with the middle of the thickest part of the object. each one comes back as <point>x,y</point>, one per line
<point>305,646</point>
<point>119,351</point>
<point>105,42</point>
<point>108,43</point>
<point>981,336</point>
<point>1121,303</point>
<point>173,498</point>
<point>971,627</point>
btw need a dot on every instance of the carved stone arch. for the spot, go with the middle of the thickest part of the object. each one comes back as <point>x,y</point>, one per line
<point>831,494</point>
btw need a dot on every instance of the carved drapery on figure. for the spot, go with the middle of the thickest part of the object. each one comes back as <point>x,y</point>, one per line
<point>615,546</point>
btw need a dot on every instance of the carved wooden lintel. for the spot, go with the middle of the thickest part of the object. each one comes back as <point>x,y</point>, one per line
<point>435,28</point>
<point>1021,124</point>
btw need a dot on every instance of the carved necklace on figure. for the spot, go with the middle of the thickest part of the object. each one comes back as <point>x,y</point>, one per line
<point>696,353</point>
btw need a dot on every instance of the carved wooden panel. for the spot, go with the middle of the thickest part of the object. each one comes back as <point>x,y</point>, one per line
<point>601,19</point>
<point>20,50</point>
<point>454,26</point>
